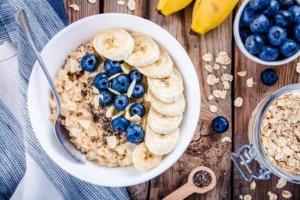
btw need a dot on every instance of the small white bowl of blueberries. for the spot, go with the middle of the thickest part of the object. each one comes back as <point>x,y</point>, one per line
<point>268,31</point>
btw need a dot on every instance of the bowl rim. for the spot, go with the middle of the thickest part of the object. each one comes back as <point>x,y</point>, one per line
<point>193,125</point>
<point>241,46</point>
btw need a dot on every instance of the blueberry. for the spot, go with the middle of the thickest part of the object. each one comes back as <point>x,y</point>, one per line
<point>101,81</point>
<point>289,48</point>
<point>254,44</point>
<point>135,75</point>
<point>287,3</point>
<point>277,35</point>
<point>297,33</point>
<point>120,83</point>
<point>121,102</point>
<point>120,124</point>
<point>89,62</point>
<point>295,12</point>
<point>247,16</point>
<point>259,4</point>
<point>106,98</point>
<point>138,91</point>
<point>283,18</point>
<point>112,67</point>
<point>273,8</point>
<point>137,109</point>
<point>220,124</point>
<point>134,133</point>
<point>259,24</point>
<point>268,77</point>
<point>268,53</point>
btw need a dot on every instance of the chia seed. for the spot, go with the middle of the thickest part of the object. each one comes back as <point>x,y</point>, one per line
<point>202,178</point>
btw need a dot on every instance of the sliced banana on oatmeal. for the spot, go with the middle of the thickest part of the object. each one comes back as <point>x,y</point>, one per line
<point>162,124</point>
<point>168,90</point>
<point>143,159</point>
<point>145,51</point>
<point>162,68</point>
<point>168,109</point>
<point>115,44</point>
<point>160,144</point>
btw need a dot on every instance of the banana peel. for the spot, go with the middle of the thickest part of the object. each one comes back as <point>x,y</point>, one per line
<point>209,14</point>
<point>168,7</point>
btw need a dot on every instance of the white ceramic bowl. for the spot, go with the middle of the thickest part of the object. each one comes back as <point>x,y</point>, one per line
<point>54,54</point>
<point>240,44</point>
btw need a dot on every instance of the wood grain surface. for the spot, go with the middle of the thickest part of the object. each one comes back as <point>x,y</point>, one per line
<point>206,147</point>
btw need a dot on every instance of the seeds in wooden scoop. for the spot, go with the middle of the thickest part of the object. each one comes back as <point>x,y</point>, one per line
<point>202,178</point>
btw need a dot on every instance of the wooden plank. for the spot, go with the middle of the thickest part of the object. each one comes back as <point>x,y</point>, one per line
<point>86,9</point>
<point>206,148</point>
<point>139,191</point>
<point>252,96</point>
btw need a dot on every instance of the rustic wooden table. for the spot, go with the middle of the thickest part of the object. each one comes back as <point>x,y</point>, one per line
<point>206,148</point>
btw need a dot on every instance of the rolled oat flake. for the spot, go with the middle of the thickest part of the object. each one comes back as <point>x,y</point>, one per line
<point>202,178</point>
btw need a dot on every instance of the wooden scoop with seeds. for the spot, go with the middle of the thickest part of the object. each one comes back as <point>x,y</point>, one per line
<point>201,180</point>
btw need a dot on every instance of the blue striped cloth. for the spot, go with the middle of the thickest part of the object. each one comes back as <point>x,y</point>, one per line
<point>16,136</point>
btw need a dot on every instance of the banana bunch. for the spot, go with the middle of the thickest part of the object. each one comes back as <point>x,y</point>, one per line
<point>207,14</point>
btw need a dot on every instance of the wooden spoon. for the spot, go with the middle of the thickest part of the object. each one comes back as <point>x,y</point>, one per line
<point>190,187</point>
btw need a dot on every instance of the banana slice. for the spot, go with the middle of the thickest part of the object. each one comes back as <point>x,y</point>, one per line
<point>143,159</point>
<point>145,51</point>
<point>160,144</point>
<point>163,124</point>
<point>168,90</point>
<point>115,44</point>
<point>162,68</point>
<point>171,109</point>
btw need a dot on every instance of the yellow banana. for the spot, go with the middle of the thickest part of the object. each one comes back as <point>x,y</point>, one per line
<point>208,14</point>
<point>168,7</point>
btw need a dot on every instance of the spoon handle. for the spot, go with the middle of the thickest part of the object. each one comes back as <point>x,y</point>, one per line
<point>181,193</point>
<point>23,20</point>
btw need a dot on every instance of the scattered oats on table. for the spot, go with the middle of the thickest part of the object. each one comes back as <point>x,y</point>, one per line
<point>227,77</point>
<point>242,73</point>
<point>247,197</point>
<point>210,97</point>
<point>92,1</point>
<point>208,68</point>
<point>226,139</point>
<point>238,102</point>
<point>212,79</point>
<point>286,194</point>
<point>252,185</point>
<point>207,57</point>
<point>226,85</point>
<point>249,82</point>
<point>298,68</point>
<point>131,5</point>
<point>74,7</point>
<point>223,58</point>
<point>213,108</point>
<point>281,183</point>
<point>121,2</point>
<point>272,196</point>
<point>216,66</point>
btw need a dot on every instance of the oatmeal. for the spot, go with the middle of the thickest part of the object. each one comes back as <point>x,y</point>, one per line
<point>280,132</point>
<point>107,88</point>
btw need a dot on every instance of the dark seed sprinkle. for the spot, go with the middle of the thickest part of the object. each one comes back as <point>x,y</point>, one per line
<point>202,178</point>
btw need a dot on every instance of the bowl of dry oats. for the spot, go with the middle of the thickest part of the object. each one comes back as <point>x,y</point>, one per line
<point>274,137</point>
<point>130,99</point>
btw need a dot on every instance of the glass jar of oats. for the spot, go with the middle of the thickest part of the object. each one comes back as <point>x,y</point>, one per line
<point>274,138</point>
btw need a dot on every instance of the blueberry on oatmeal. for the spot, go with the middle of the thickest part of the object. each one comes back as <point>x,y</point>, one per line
<point>138,91</point>
<point>134,133</point>
<point>137,109</point>
<point>105,98</point>
<point>101,81</point>
<point>112,67</point>
<point>120,124</point>
<point>121,102</point>
<point>89,62</point>
<point>120,83</point>
<point>135,75</point>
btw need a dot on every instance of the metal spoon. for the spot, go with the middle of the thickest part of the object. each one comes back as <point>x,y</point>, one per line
<point>60,131</point>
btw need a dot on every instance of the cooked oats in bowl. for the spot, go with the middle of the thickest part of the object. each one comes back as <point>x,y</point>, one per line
<point>122,99</point>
